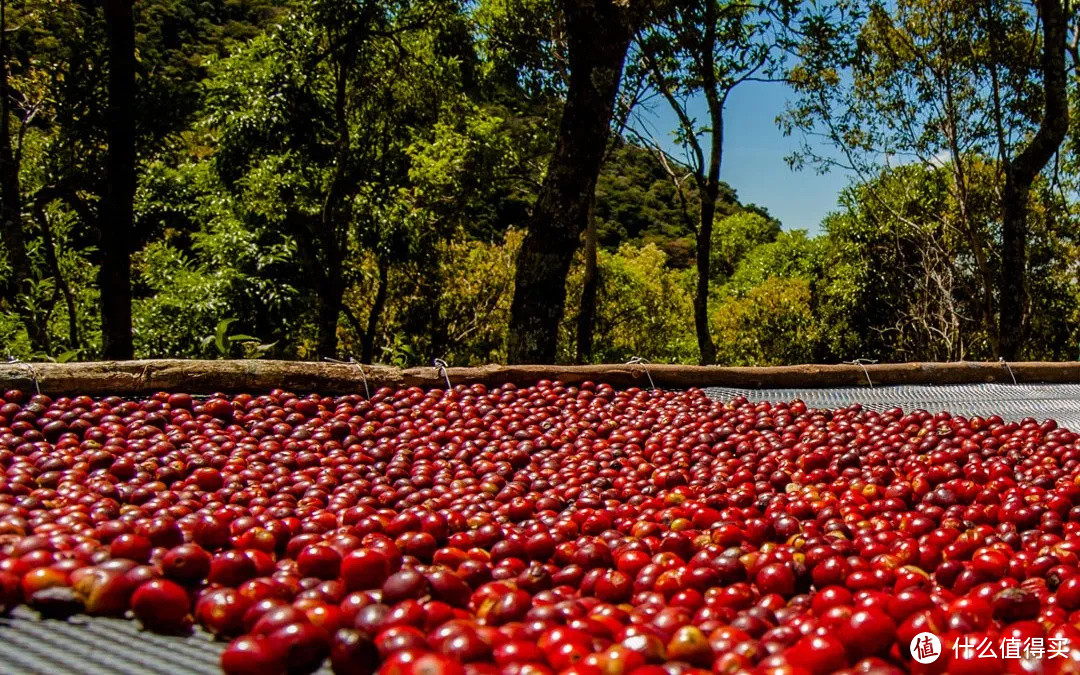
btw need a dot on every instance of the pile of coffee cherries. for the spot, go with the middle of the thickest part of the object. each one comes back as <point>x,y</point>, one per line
<point>580,530</point>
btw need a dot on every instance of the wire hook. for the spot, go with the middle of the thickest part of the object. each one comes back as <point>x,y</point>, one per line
<point>441,365</point>
<point>29,367</point>
<point>638,361</point>
<point>1002,361</point>
<point>359,366</point>
<point>862,364</point>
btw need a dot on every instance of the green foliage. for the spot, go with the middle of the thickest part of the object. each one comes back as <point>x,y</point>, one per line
<point>791,255</point>
<point>224,342</point>
<point>477,168</point>
<point>207,266</point>
<point>523,57</point>
<point>772,324</point>
<point>644,308</point>
<point>637,203</point>
<point>405,140</point>
<point>736,235</point>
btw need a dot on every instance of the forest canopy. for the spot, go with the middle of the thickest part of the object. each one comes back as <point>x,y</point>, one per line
<point>384,179</point>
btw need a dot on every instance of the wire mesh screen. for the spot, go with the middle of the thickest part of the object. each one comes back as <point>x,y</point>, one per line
<point>1060,402</point>
<point>97,646</point>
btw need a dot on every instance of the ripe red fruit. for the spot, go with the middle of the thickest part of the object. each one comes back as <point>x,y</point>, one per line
<point>210,533</point>
<point>303,646</point>
<point>353,652</point>
<point>319,561</point>
<point>430,664</point>
<point>364,569</point>
<point>277,616</point>
<point>131,546</point>
<point>231,568</point>
<point>541,528</point>
<point>614,587</point>
<point>818,654</point>
<point>40,579</point>
<point>867,632</point>
<point>162,606</point>
<point>449,588</point>
<point>10,592</point>
<point>251,655</point>
<point>208,479</point>
<point>1068,594</point>
<point>186,564</point>
<point>404,585</point>
<point>1015,604</point>
<point>221,611</point>
<point>776,578</point>
<point>690,645</point>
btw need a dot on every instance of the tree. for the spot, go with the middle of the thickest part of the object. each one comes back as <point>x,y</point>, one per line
<point>943,84</point>
<point>707,49</point>
<point>116,215</point>
<point>11,227</point>
<point>735,236</point>
<point>598,35</point>
<point>316,119</point>
<point>1021,171</point>
<point>926,306</point>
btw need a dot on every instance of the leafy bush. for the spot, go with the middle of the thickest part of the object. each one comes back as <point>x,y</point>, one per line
<point>644,308</point>
<point>772,324</point>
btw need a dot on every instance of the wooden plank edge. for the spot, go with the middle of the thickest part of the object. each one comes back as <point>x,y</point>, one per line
<point>204,377</point>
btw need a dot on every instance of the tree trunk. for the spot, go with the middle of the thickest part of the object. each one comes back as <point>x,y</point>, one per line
<point>117,203</point>
<point>332,225</point>
<point>368,345</point>
<point>709,188</point>
<point>53,261</point>
<point>1020,174</point>
<point>590,284</point>
<point>598,35</point>
<point>331,291</point>
<point>706,347</point>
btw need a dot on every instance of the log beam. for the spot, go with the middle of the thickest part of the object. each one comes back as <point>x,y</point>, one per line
<point>131,378</point>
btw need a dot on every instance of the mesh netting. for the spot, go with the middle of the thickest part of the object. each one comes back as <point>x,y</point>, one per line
<point>99,646</point>
<point>1060,402</point>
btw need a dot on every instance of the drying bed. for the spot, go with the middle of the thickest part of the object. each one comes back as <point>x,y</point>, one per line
<point>81,644</point>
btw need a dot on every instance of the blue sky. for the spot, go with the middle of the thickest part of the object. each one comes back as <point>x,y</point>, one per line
<point>754,151</point>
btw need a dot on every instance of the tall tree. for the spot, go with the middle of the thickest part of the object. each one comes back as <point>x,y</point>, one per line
<point>316,119</point>
<point>633,91</point>
<point>598,34</point>
<point>707,49</point>
<point>1021,172</point>
<point>943,84</point>
<point>116,214</point>
<point>16,106</point>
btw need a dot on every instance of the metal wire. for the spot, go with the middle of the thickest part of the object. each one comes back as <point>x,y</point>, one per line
<point>637,360</point>
<point>441,365</point>
<point>1006,364</point>
<point>30,368</point>
<point>363,376</point>
<point>862,364</point>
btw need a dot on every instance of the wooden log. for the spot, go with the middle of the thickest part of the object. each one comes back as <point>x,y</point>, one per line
<point>193,376</point>
<point>205,377</point>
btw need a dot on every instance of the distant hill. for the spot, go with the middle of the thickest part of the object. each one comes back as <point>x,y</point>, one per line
<point>637,203</point>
